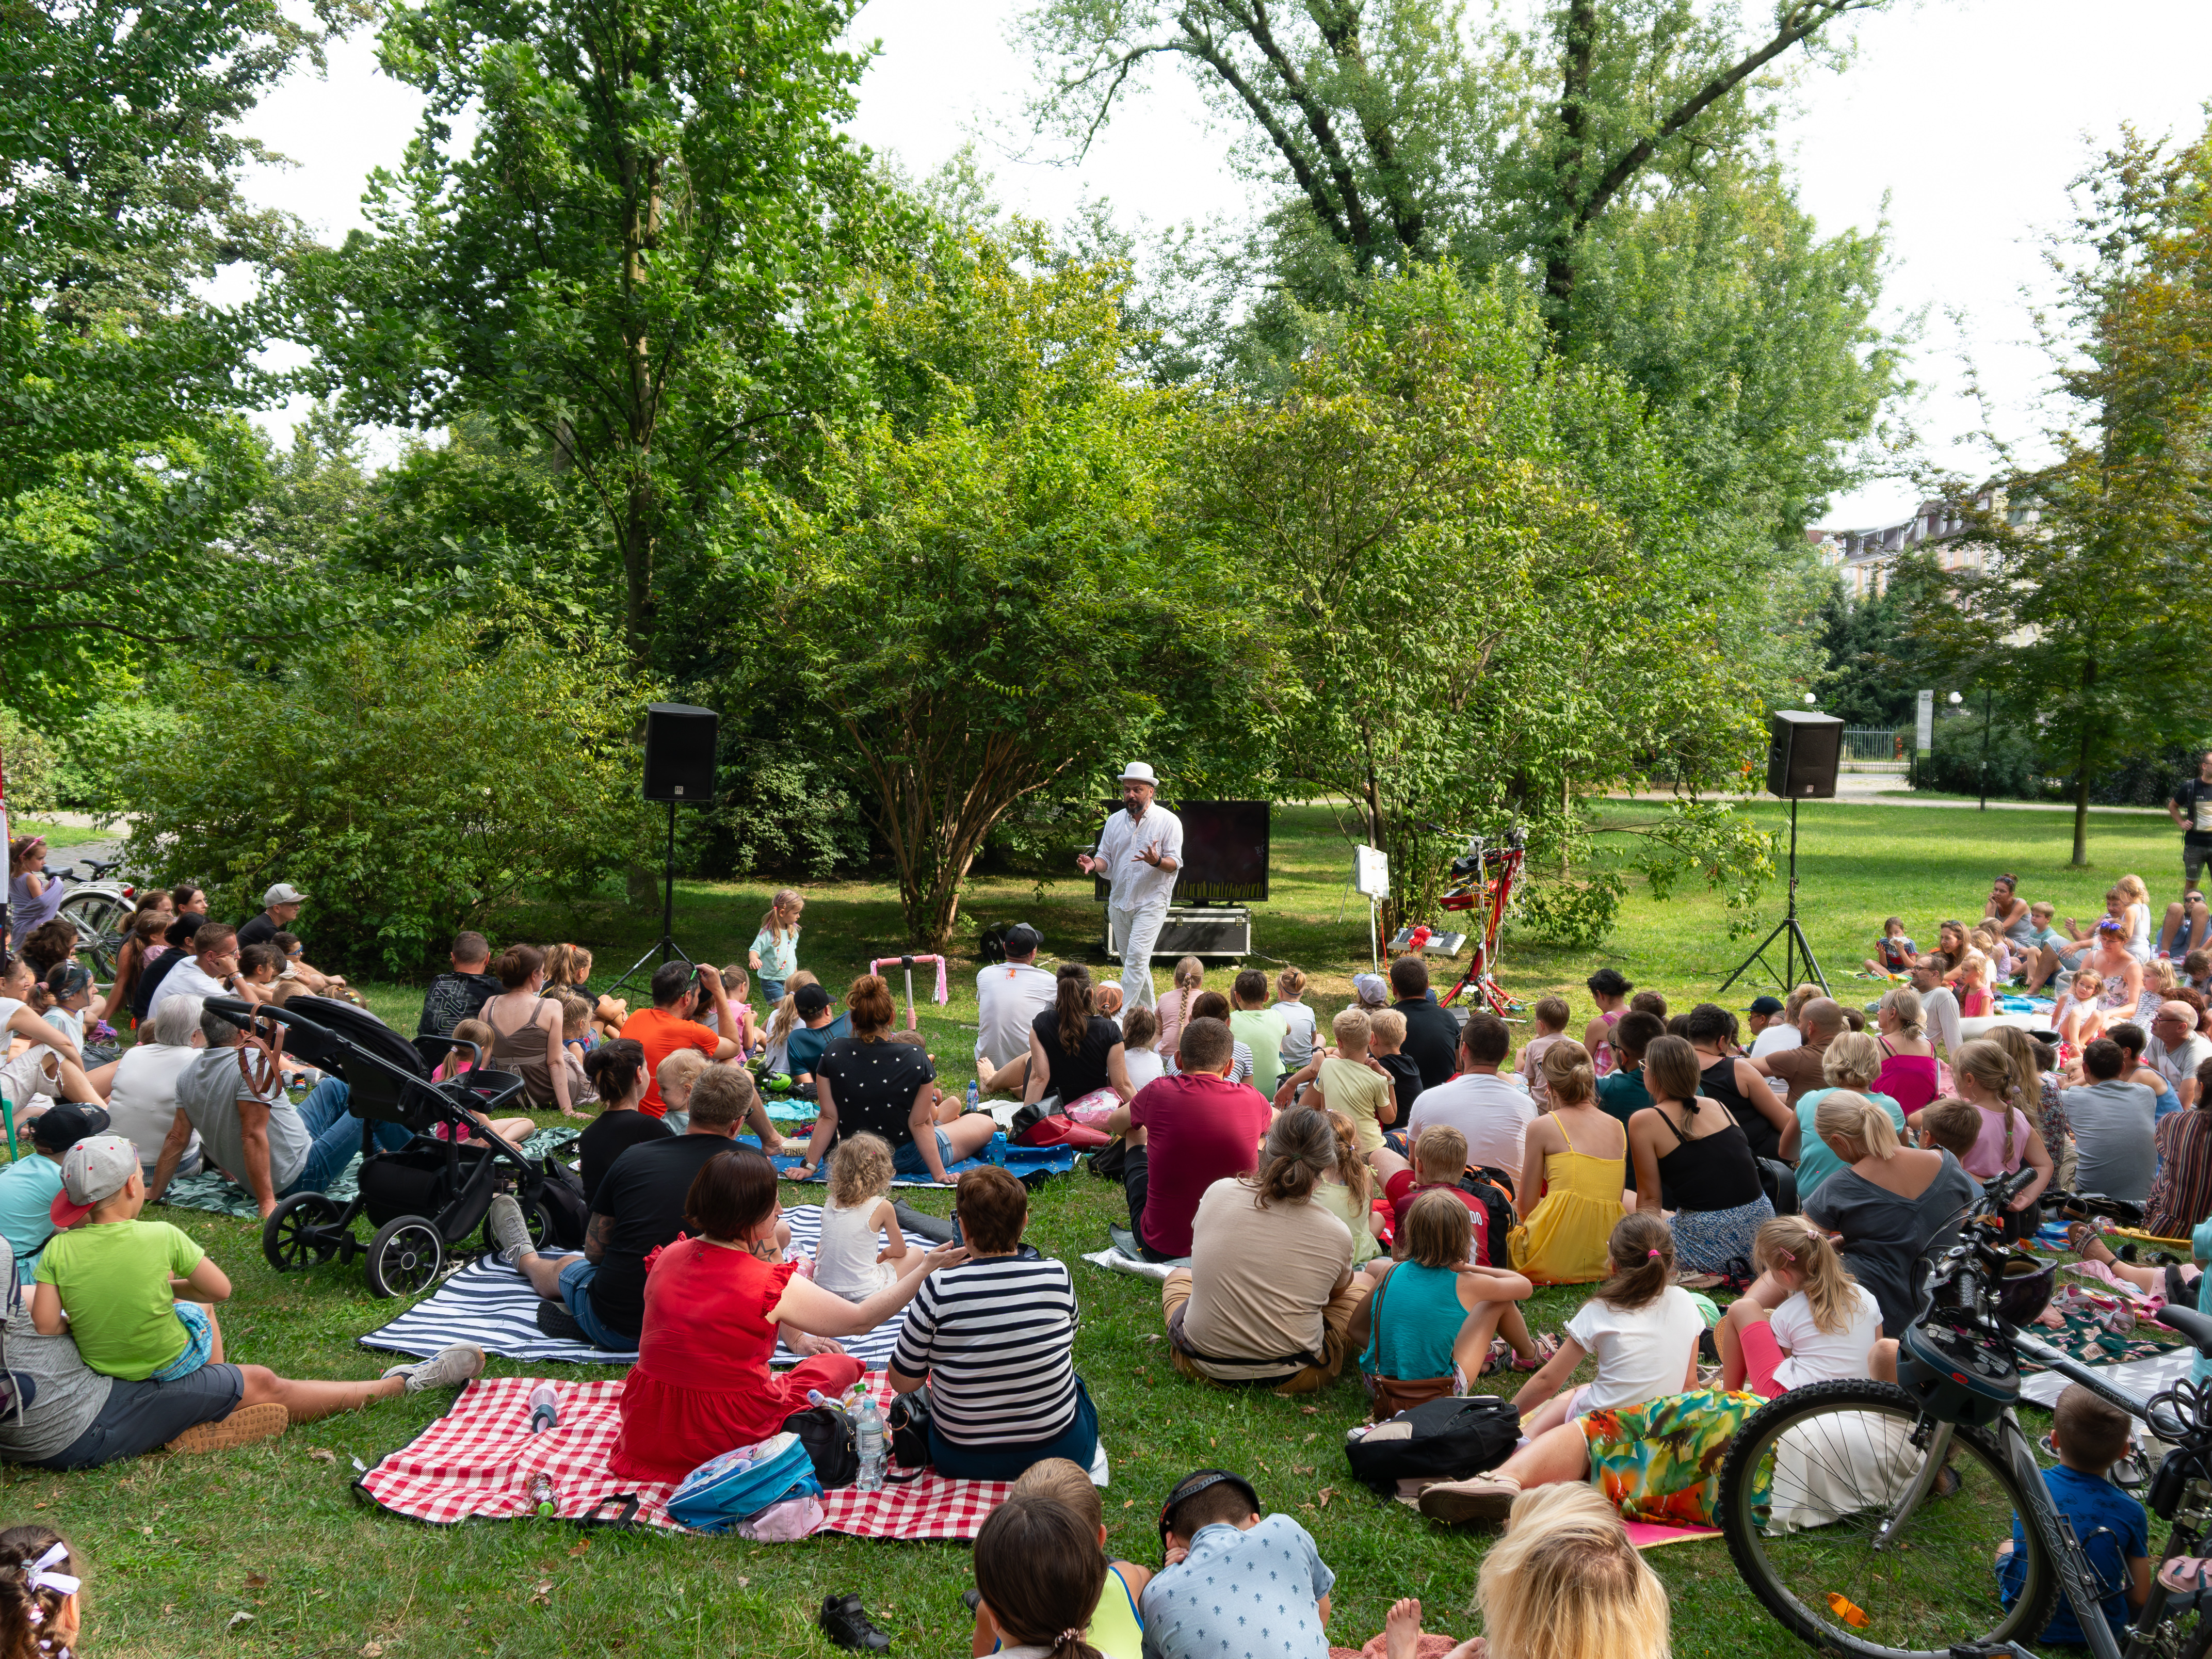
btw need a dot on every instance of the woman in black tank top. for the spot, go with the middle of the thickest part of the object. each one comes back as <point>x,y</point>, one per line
<point>1694,1159</point>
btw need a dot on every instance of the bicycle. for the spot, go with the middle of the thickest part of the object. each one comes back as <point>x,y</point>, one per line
<point>1867,1515</point>
<point>101,911</point>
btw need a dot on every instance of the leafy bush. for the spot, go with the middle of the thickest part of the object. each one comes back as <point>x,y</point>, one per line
<point>31,763</point>
<point>88,777</point>
<point>409,785</point>
<point>1955,767</point>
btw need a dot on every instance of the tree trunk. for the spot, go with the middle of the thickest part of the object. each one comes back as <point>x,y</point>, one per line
<point>641,231</point>
<point>2081,767</point>
<point>1567,203</point>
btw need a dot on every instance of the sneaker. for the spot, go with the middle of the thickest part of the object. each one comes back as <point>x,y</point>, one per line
<point>448,1368</point>
<point>1484,1498</point>
<point>510,1232</point>
<point>844,1623</point>
<point>248,1425</point>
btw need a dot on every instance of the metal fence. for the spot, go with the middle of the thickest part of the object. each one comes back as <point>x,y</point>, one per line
<point>1876,743</point>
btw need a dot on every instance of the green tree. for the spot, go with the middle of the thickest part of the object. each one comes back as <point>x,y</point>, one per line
<point>996,599</point>
<point>638,267</point>
<point>413,781</point>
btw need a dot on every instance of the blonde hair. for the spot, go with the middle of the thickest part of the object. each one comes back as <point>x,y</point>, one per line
<point>679,1071</point>
<point>1439,1232</point>
<point>2131,888</point>
<point>771,921</point>
<point>1564,1583</point>
<point>1911,1016</point>
<point>1440,1147</point>
<point>1350,1168</point>
<point>1990,1068</point>
<point>786,1011</point>
<point>1794,1242</point>
<point>2024,1053</point>
<point>1189,980</point>
<point>1844,1116</point>
<point>1065,1483</point>
<point>1852,1061</point>
<point>1387,1025</point>
<point>1291,984</point>
<point>860,1169</point>
<point>575,1015</point>
<point>477,1031</point>
<point>1568,1077</point>
<point>1351,1027</point>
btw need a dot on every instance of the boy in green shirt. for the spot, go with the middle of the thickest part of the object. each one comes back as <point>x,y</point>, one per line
<point>113,1282</point>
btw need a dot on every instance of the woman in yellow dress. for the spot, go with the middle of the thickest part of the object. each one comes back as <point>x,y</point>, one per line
<point>1581,1153</point>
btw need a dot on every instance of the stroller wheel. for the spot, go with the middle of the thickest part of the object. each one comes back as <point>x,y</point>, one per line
<point>404,1256</point>
<point>301,1231</point>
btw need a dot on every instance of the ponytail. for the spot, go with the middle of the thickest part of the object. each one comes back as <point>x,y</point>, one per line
<point>1040,1571</point>
<point>1070,994</point>
<point>1351,1168</point>
<point>1642,1251</point>
<point>1792,1243</point>
<point>1843,1115</point>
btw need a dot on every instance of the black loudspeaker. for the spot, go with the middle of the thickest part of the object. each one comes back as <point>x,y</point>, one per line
<point>679,753</point>
<point>1801,755</point>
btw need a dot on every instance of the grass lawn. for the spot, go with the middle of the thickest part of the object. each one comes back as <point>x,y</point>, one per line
<point>181,1546</point>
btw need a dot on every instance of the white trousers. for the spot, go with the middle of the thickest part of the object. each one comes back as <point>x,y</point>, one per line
<point>1138,931</point>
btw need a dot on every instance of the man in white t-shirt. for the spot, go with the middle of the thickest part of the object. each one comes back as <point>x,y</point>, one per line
<point>1010,994</point>
<point>1939,1002</point>
<point>1787,1035</point>
<point>2176,1048</point>
<point>1138,855</point>
<point>208,971</point>
<point>1487,1107</point>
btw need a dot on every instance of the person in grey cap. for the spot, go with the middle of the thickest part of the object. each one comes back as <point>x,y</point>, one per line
<point>1010,994</point>
<point>1138,855</point>
<point>29,1186</point>
<point>280,908</point>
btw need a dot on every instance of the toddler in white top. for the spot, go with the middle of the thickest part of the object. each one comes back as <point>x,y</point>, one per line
<point>847,1262</point>
<point>1641,1328</point>
<point>1804,1320</point>
<point>1299,1025</point>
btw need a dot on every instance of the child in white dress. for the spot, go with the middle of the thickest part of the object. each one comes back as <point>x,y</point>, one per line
<point>846,1261</point>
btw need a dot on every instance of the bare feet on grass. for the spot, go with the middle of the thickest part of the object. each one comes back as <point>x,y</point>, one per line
<point>1402,1629</point>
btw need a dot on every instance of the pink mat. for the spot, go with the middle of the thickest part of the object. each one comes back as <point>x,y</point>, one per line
<point>478,1459</point>
<point>1646,1536</point>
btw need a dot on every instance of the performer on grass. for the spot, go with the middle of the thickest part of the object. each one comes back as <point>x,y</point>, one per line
<point>1139,852</point>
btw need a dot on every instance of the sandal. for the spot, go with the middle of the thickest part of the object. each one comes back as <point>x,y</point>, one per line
<point>1546,1347</point>
<point>2083,1239</point>
<point>2185,1575</point>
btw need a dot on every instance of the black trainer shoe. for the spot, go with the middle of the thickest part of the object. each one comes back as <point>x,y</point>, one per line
<point>844,1623</point>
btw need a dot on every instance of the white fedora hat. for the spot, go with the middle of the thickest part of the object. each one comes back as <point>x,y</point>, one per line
<point>1138,771</point>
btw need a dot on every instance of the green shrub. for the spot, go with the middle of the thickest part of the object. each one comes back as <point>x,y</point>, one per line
<point>1955,767</point>
<point>87,778</point>
<point>409,785</point>
<point>31,764</point>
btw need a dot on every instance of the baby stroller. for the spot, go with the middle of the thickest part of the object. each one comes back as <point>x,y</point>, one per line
<point>425,1197</point>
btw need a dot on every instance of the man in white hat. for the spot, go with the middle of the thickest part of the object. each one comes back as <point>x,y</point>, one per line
<point>1139,853</point>
<point>280,908</point>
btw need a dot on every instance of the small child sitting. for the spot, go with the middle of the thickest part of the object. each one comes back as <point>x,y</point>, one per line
<point>1299,1027</point>
<point>457,1063</point>
<point>2088,1434</point>
<point>1113,1629</point>
<point>260,968</point>
<point>1386,1042</point>
<point>675,1077</point>
<point>1212,1532</point>
<point>2081,1012</point>
<point>1976,998</point>
<point>1106,1000</point>
<point>737,986</point>
<point>1893,953</point>
<point>1140,1048</point>
<point>578,1035</point>
<point>1347,1193</point>
<point>1433,1313</point>
<point>1551,1015</point>
<point>1951,1125</point>
<point>846,1262</point>
<point>113,1282</point>
<point>1803,1320</point>
<point>1640,1327</point>
<point>1439,1160</point>
<point>1345,1082</point>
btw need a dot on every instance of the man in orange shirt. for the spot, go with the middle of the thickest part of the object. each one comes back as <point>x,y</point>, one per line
<point>679,988</point>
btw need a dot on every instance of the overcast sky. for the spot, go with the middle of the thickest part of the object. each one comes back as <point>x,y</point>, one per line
<point>1967,117</point>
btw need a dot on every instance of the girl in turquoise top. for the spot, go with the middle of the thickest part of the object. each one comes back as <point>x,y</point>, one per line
<point>774,952</point>
<point>1434,1313</point>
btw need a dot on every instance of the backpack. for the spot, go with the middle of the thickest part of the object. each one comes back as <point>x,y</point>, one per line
<point>832,1444</point>
<point>723,1490</point>
<point>1446,1439</point>
<point>1497,1210</point>
<point>561,1196</point>
<point>1033,1125</point>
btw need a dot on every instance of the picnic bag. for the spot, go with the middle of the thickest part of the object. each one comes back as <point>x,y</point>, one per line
<point>725,1490</point>
<point>832,1442</point>
<point>561,1195</point>
<point>1033,1125</point>
<point>1446,1439</point>
<point>909,1427</point>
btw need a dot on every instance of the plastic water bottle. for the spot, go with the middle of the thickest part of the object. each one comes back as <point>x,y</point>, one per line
<point>815,1397</point>
<point>975,1096</point>
<point>875,1453</point>
<point>545,1408</point>
<point>543,1498</point>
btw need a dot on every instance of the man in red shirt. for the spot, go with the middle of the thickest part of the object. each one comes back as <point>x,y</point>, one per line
<point>679,988</point>
<point>1202,1126</point>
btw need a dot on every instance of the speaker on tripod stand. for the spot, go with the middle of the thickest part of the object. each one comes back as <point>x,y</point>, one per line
<point>679,770</point>
<point>1804,752</point>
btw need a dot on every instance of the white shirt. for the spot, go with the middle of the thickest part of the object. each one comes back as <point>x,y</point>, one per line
<point>144,1102</point>
<point>2178,1064</point>
<point>1939,1013</point>
<point>1489,1111</point>
<point>1642,1353</point>
<point>186,979</point>
<point>1134,885</point>
<point>1008,996</point>
<point>1775,1039</point>
<point>1144,1065</point>
<point>1813,1355</point>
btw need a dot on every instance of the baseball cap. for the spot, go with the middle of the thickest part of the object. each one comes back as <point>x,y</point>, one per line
<point>809,1000</point>
<point>1022,938</point>
<point>92,1171</point>
<point>1372,990</point>
<point>1765,1005</point>
<point>1196,1482</point>
<point>57,1129</point>
<point>283,893</point>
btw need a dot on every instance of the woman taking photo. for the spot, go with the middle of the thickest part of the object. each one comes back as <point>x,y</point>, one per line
<point>1073,1051</point>
<point>701,1385</point>
<point>568,970</point>
<point>1908,1066</point>
<point>526,1029</point>
<point>863,1082</point>
<point>1696,1163</point>
<point>1890,1203</point>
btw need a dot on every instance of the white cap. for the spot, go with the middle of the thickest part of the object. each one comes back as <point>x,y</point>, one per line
<point>1138,771</point>
<point>283,893</point>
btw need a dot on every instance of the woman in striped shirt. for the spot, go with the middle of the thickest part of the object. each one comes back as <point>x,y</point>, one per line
<point>993,1339</point>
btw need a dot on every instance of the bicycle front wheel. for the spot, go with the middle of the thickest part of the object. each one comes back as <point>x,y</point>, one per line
<point>101,919</point>
<point>1806,1490</point>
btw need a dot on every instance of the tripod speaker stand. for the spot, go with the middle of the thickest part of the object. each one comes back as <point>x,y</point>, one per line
<point>1803,753</point>
<point>679,769</point>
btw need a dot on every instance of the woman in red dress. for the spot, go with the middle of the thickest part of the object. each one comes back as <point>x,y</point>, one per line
<point>701,1385</point>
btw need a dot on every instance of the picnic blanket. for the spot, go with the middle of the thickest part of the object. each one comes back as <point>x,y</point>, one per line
<point>494,1307</point>
<point>211,1189</point>
<point>1120,1257</point>
<point>1020,1161</point>
<point>477,1461</point>
<point>2144,1376</point>
<point>2085,1339</point>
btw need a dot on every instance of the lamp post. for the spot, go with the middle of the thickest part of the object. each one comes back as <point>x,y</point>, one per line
<point>1988,712</point>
